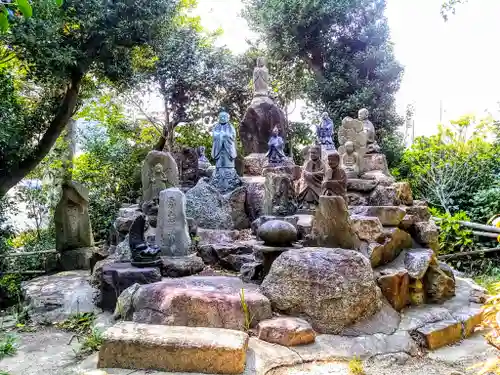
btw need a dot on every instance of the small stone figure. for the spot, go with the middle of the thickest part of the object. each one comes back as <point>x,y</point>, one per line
<point>260,78</point>
<point>312,177</point>
<point>143,253</point>
<point>158,181</point>
<point>350,161</point>
<point>335,183</point>
<point>372,146</point>
<point>324,132</point>
<point>203,162</point>
<point>275,155</point>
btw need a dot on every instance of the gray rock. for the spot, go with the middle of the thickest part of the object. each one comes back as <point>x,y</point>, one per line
<point>385,321</point>
<point>383,196</point>
<point>331,288</point>
<point>355,184</point>
<point>252,272</point>
<point>388,215</point>
<point>56,297</point>
<point>356,199</point>
<point>122,251</point>
<point>208,206</point>
<point>76,259</point>
<point>438,285</point>
<point>181,266</point>
<point>237,200</point>
<point>417,262</point>
<point>277,233</point>
<point>198,301</point>
<point>280,196</point>
<point>228,255</point>
<point>172,232</point>
<point>265,218</point>
<point>255,197</point>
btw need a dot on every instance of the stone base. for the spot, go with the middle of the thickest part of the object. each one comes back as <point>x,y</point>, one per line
<point>175,349</point>
<point>78,259</point>
<point>116,277</point>
<point>181,266</point>
<point>225,180</point>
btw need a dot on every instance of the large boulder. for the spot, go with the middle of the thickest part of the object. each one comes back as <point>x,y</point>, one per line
<point>257,125</point>
<point>208,206</point>
<point>196,301</point>
<point>331,288</point>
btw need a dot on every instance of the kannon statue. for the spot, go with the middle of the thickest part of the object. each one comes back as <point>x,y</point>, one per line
<point>261,78</point>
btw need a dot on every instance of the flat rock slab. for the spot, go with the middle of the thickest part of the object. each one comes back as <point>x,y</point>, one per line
<point>189,349</point>
<point>286,331</point>
<point>437,335</point>
<point>198,301</point>
<point>181,266</point>
<point>388,215</point>
<point>56,297</point>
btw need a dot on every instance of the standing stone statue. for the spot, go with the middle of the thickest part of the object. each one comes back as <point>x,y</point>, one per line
<point>350,160</point>
<point>275,155</point>
<point>324,132</point>
<point>313,173</point>
<point>335,182</point>
<point>261,78</point>
<point>372,146</point>
<point>172,230</point>
<point>225,177</point>
<point>154,178</point>
<point>143,254</point>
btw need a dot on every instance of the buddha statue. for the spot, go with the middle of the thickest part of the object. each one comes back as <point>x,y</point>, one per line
<point>372,146</point>
<point>261,78</point>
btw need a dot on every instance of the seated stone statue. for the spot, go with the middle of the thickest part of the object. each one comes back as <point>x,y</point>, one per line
<point>335,182</point>
<point>350,161</point>
<point>372,146</point>
<point>143,254</point>
<point>313,173</point>
<point>158,181</point>
<point>275,155</point>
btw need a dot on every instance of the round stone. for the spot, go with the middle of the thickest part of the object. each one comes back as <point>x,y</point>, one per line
<point>277,233</point>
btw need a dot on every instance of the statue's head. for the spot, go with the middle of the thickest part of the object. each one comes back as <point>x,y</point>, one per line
<point>276,131</point>
<point>315,153</point>
<point>201,150</point>
<point>223,117</point>
<point>363,114</point>
<point>349,147</point>
<point>325,116</point>
<point>333,159</point>
<point>261,61</point>
<point>158,168</point>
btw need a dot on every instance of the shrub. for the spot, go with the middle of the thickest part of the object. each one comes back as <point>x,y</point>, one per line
<point>7,346</point>
<point>485,204</point>
<point>452,236</point>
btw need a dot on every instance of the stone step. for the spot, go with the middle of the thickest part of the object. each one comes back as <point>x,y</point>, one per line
<point>177,349</point>
<point>437,335</point>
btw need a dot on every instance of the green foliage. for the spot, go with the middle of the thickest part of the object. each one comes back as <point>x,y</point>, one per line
<point>452,236</point>
<point>80,323</point>
<point>489,280</point>
<point>300,135</point>
<point>7,346</point>
<point>92,343</point>
<point>447,169</point>
<point>356,367</point>
<point>10,289</point>
<point>194,135</point>
<point>34,241</point>
<point>346,48</point>
<point>485,204</point>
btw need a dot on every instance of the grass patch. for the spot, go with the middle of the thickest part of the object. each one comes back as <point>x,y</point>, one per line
<point>7,346</point>
<point>79,323</point>
<point>91,343</point>
<point>4,373</point>
<point>489,281</point>
<point>356,367</point>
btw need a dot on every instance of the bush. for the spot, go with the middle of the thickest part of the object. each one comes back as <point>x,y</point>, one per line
<point>452,236</point>
<point>10,290</point>
<point>485,204</point>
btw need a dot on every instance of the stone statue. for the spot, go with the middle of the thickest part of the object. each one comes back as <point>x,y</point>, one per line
<point>335,182</point>
<point>350,160</point>
<point>143,254</point>
<point>261,78</point>
<point>275,155</point>
<point>225,177</point>
<point>158,181</point>
<point>313,173</point>
<point>324,132</point>
<point>372,146</point>
<point>203,162</point>
<point>224,142</point>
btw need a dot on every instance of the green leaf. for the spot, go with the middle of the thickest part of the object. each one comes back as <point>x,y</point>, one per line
<point>59,3</point>
<point>4,23</point>
<point>25,8</point>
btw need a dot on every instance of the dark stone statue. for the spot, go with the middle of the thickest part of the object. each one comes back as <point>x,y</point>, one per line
<point>143,253</point>
<point>275,155</point>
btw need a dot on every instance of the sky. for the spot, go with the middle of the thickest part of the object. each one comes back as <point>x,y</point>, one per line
<point>450,65</point>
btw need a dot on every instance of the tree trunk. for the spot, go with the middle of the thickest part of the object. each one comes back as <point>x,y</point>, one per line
<point>64,113</point>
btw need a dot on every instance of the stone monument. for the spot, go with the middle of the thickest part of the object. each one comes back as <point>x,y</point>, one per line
<point>172,232</point>
<point>262,116</point>
<point>143,254</point>
<point>225,177</point>
<point>313,173</point>
<point>159,171</point>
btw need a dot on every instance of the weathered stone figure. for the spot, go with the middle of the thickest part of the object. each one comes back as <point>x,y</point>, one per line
<point>261,78</point>
<point>371,144</point>
<point>312,177</point>
<point>143,254</point>
<point>203,162</point>
<point>152,174</point>
<point>275,155</point>
<point>335,182</point>
<point>324,132</point>
<point>350,161</point>
<point>158,181</point>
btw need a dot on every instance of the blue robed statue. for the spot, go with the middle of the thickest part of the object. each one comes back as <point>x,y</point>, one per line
<point>224,143</point>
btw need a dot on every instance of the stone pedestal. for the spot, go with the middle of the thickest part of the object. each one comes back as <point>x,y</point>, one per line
<point>172,232</point>
<point>72,220</point>
<point>225,180</point>
<point>256,128</point>
<point>269,254</point>
<point>374,167</point>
